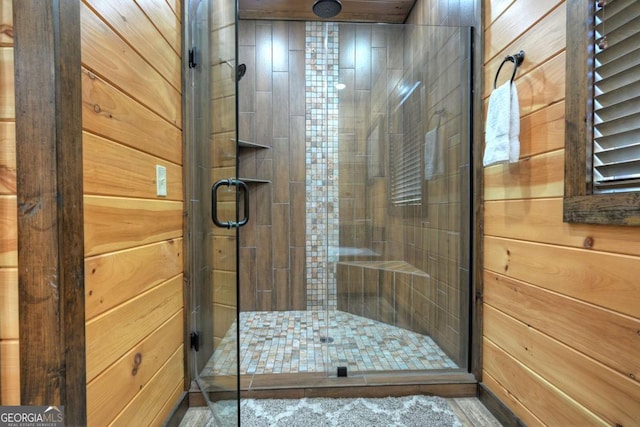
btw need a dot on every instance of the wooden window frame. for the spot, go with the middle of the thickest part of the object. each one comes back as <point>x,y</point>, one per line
<point>580,205</point>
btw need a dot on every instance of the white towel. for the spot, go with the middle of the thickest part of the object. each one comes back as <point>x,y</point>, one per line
<point>433,165</point>
<point>502,141</point>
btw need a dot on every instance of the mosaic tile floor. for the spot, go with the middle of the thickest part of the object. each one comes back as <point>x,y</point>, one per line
<point>291,342</point>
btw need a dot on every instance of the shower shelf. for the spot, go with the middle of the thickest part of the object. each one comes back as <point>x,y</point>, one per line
<point>247,144</point>
<point>255,181</point>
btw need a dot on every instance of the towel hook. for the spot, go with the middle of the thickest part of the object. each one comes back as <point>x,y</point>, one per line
<point>517,60</point>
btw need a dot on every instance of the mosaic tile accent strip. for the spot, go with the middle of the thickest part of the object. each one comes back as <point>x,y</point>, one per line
<point>278,342</point>
<point>321,111</point>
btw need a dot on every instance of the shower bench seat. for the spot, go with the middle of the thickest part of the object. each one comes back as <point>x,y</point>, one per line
<point>393,292</point>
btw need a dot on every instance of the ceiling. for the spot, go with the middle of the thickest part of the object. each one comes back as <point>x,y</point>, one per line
<point>387,11</point>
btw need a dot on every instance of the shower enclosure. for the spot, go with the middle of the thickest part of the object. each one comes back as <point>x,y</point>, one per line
<point>347,148</point>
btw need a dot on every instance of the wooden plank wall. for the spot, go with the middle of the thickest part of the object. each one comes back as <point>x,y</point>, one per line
<point>9,344</point>
<point>272,113</point>
<point>561,302</point>
<point>131,100</point>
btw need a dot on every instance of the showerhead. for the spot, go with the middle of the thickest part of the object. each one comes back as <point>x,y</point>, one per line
<point>327,8</point>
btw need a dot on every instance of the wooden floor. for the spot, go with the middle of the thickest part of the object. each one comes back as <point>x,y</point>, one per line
<point>469,410</point>
<point>472,413</point>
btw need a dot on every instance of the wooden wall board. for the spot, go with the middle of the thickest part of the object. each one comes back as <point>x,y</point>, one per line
<point>541,42</point>
<point>515,415</point>
<point>176,7</point>
<point>134,320</point>
<point>8,231</point>
<point>10,372</point>
<point>8,304</point>
<point>607,393</point>
<point>542,131</point>
<point>7,94</point>
<point>7,158</point>
<point>540,220</point>
<point>143,409</point>
<point>110,392</point>
<point>604,335</point>
<point>132,25</point>
<point>118,223</point>
<point>551,404</point>
<point>494,9</point>
<point>112,169</point>
<point>608,280</point>
<point>385,11</point>
<point>116,277</point>
<point>6,23</point>
<point>167,412</point>
<point>111,58</point>
<point>520,16</point>
<point>165,20</point>
<point>110,113</point>
<point>540,176</point>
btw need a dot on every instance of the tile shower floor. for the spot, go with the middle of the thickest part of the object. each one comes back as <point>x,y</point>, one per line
<point>276,342</point>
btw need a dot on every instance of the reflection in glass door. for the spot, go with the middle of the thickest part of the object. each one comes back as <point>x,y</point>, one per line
<point>353,142</point>
<point>356,139</point>
<point>211,158</point>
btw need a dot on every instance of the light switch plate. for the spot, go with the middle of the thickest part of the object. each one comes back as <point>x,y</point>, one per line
<point>161,181</point>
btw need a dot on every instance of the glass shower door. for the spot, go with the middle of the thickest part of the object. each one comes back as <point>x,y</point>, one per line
<point>210,94</point>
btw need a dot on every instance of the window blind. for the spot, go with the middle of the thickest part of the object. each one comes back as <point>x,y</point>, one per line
<point>406,188</point>
<point>616,97</point>
<point>404,159</point>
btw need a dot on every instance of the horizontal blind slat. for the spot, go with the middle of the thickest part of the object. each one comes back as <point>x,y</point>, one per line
<point>616,14</point>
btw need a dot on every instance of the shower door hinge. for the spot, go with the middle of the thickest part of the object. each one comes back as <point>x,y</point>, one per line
<point>192,58</point>
<point>195,341</point>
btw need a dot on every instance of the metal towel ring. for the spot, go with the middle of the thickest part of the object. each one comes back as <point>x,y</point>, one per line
<point>517,59</point>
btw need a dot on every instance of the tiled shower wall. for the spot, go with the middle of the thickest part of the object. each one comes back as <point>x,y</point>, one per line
<point>309,186</point>
<point>272,113</point>
<point>288,103</point>
<point>322,159</point>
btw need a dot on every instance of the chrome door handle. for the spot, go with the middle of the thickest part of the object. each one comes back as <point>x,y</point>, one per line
<point>214,203</point>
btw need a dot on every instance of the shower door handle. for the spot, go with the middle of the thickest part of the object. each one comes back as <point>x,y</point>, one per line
<point>240,185</point>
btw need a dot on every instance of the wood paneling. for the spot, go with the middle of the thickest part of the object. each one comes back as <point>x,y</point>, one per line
<point>7,158</point>
<point>9,303</point>
<point>553,407</point>
<point>134,320</point>
<point>537,220</point>
<point>116,277</point>
<point>111,58</point>
<point>115,170</point>
<point>389,11</point>
<point>110,113</point>
<point>534,177</point>
<point>162,389</point>
<point>10,372</point>
<point>118,223</point>
<point>9,323</point>
<point>605,279</point>
<point>165,20</point>
<point>132,117</point>
<point>561,300</point>
<point>8,231</point>
<point>106,395</point>
<point>7,96</point>
<point>131,24</point>
<point>573,322</point>
<point>604,392</point>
